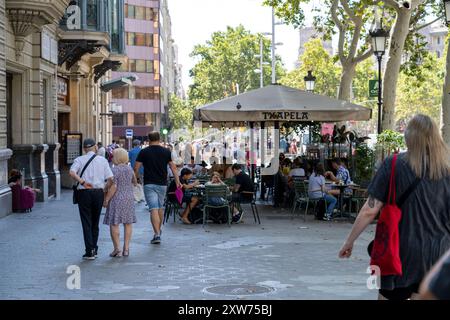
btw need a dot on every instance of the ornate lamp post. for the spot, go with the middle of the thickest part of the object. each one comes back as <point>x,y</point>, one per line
<point>310,82</point>
<point>379,37</point>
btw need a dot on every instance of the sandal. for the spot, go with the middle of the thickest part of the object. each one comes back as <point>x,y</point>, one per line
<point>185,221</point>
<point>115,254</point>
<point>125,253</point>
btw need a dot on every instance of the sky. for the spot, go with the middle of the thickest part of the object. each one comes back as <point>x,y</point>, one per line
<point>194,21</point>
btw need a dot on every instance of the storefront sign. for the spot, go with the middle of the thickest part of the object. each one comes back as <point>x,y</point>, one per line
<point>49,48</point>
<point>73,147</point>
<point>62,86</point>
<point>285,115</point>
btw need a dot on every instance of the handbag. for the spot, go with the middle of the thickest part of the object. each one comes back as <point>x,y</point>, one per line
<point>75,187</point>
<point>138,192</point>
<point>179,194</point>
<point>385,248</point>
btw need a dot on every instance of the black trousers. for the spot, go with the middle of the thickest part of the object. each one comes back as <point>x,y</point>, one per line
<point>90,204</point>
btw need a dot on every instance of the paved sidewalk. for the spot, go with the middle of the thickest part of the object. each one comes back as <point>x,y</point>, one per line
<point>288,258</point>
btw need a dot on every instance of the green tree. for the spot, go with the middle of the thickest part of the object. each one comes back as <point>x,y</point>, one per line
<point>180,113</point>
<point>327,72</point>
<point>323,67</point>
<point>227,59</point>
<point>421,92</point>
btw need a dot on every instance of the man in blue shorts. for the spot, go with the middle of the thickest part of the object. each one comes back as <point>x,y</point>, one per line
<point>155,160</point>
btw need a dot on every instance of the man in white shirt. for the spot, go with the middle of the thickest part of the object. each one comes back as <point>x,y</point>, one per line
<point>101,150</point>
<point>90,185</point>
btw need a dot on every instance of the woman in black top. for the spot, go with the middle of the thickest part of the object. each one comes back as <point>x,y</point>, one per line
<point>425,224</point>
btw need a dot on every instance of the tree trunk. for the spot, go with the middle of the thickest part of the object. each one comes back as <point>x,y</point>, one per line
<point>397,43</point>
<point>345,86</point>
<point>445,111</point>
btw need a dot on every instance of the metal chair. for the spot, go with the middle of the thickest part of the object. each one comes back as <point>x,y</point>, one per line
<point>171,207</point>
<point>216,191</point>
<point>359,198</point>
<point>301,196</point>
<point>252,203</point>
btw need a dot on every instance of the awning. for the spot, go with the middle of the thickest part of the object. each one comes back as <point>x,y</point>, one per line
<point>282,104</point>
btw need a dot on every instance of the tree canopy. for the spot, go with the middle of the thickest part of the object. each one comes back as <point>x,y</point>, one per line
<point>227,59</point>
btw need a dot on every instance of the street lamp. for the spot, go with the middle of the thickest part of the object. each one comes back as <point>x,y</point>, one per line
<point>310,82</point>
<point>379,37</point>
<point>447,11</point>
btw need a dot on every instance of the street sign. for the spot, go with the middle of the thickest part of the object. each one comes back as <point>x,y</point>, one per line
<point>373,88</point>
<point>129,133</point>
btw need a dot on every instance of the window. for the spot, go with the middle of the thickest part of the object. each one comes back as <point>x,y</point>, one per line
<point>140,66</point>
<point>438,40</point>
<point>140,13</point>
<point>91,13</point>
<point>149,66</point>
<point>120,93</point>
<point>438,54</point>
<point>118,120</point>
<point>130,11</point>
<point>139,119</point>
<point>130,38</point>
<point>139,39</point>
<point>132,65</point>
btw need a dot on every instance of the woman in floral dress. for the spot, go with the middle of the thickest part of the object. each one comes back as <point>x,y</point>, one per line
<point>119,201</point>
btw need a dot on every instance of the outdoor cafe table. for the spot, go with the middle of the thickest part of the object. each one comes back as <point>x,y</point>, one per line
<point>341,188</point>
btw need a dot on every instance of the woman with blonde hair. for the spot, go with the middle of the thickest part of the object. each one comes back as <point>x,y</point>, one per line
<point>422,182</point>
<point>119,201</point>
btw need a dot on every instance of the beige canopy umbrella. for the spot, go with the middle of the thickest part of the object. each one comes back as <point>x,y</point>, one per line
<point>277,103</point>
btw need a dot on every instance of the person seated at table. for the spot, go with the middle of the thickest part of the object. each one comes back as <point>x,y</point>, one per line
<point>192,201</point>
<point>286,166</point>
<point>342,174</point>
<point>224,169</point>
<point>195,168</point>
<point>317,189</point>
<point>242,190</point>
<point>215,181</point>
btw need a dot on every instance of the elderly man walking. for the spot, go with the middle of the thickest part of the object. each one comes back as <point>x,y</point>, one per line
<point>91,173</point>
<point>155,160</point>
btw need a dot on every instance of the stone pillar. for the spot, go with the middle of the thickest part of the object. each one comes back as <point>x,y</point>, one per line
<point>30,159</point>
<point>5,191</point>
<point>52,170</point>
<point>40,178</point>
<point>22,161</point>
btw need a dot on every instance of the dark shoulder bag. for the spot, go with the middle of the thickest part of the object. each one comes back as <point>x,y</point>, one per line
<point>75,187</point>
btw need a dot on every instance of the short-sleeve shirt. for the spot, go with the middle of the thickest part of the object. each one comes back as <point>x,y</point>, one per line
<point>245,183</point>
<point>425,224</point>
<point>315,186</point>
<point>440,283</point>
<point>155,160</point>
<point>96,173</point>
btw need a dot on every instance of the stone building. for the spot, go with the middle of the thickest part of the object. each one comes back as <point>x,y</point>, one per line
<point>54,58</point>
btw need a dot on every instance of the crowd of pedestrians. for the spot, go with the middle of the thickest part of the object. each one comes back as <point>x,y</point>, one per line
<point>106,177</point>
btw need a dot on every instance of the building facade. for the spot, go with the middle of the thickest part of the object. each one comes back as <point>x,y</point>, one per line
<point>152,57</point>
<point>140,103</point>
<point>435,36</point>
<point>51,75</point>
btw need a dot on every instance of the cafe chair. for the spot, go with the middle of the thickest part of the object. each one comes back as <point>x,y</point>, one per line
<point>252,203</point>
<point>171,207</point>
<point>219,191</point>
<point>301,197</point>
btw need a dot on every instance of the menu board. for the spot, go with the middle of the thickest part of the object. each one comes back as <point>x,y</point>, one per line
<point>73,147</point>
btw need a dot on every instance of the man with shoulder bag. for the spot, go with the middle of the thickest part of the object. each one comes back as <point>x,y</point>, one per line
<point>91,173</point>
